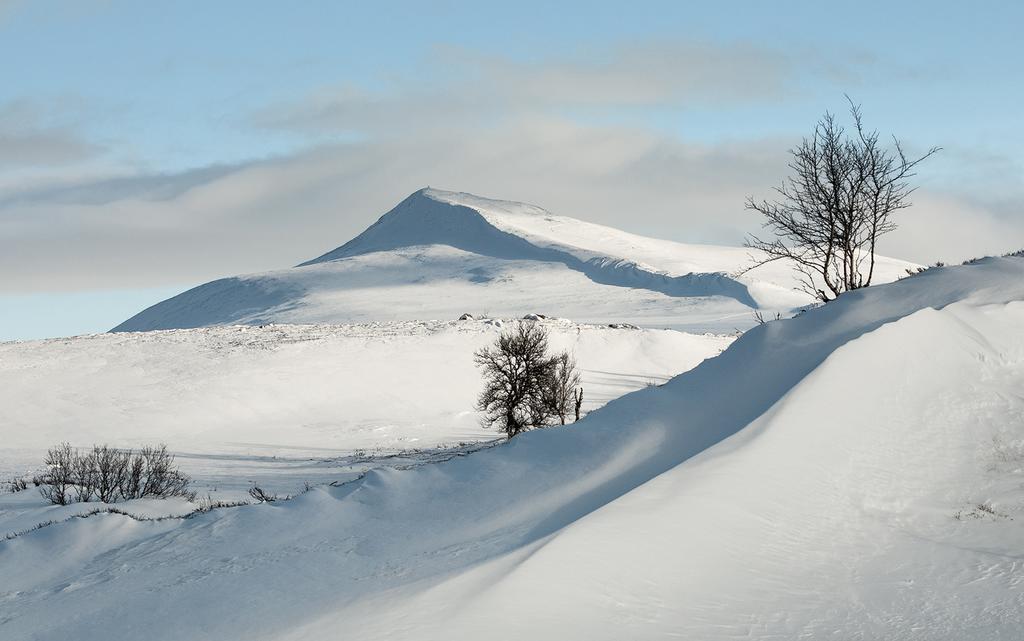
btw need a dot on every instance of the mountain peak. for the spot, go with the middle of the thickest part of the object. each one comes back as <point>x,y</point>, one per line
<point>464,198</point>
<point>439,253</point>
<point>432,216</point>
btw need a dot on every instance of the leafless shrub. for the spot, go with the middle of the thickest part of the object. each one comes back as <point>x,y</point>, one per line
<point>160,477</point>
<point>761,320</point>
<point>260,496</point>
<point>17,484</point>
<point>59,480</point>
<point>134,476</point>
<point>207,504</point>
<point>107,474</point>
<point>109,468</point>
<point>559,386</point>
<point>914,271</point>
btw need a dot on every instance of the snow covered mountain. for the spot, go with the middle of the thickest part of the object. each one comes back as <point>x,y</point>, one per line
<point>855,472</point>
<point>439,254</point>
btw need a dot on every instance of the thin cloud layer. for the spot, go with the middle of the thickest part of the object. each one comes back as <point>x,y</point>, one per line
<point>152,229</point>
<point>157,229</point>
<point>459,87</point>
<point>553,132</point>
<point>34,135</point>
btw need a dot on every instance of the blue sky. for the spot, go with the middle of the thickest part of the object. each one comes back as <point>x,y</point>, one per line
<point>148,147</point>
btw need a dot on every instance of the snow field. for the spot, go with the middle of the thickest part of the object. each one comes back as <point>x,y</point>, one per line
<point>817,479</point>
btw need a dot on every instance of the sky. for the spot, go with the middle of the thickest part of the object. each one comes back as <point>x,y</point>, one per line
<point>146,148</point>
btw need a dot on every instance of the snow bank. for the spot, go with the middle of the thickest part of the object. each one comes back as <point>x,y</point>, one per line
<point>812,481</point>
<point>277,404</point>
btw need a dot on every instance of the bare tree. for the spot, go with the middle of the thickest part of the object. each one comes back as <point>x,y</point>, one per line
<point>110,466</point>
<point>84,470</point>
<point>578,394</point>
<point>836,205</point>
<point>59,479</point>
<point>160,476</point>
<point>560,386</point>
<point>516,369</point>
<point>134,477</point>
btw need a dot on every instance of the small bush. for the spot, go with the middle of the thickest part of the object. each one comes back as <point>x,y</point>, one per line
<point>762,320</point>
<point>920,270</point>
<point>257,493</point>
<point>57,483</point>
<point>17,484</point>
<point>559,386</point>
<point>107,474</point>
<point>208,504</point>
<point>160,478</point>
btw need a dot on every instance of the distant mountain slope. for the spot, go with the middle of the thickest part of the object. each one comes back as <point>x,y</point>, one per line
<point>852,473</point>
<point>438,254</point>
<point>517,231</point>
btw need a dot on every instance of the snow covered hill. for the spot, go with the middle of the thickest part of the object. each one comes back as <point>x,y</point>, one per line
<point>852,473</point>
<point>241,403</point>
<point>439,254</point>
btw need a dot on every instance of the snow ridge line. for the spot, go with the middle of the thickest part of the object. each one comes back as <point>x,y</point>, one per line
<point>462,449</point>
<point>10,536</point>
<point>423,220</point>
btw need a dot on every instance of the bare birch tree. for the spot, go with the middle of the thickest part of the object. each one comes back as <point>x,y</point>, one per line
<point>560,387</point>
<point>839,201</point>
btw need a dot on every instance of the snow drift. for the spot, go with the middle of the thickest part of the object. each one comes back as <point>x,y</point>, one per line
<point>438,254</point>
<point>244,401</point>
<point>832,475</point>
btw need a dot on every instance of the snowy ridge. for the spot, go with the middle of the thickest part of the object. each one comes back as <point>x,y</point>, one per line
<point>519,231</point>
<point>749,497</point>
<point>438,254</point>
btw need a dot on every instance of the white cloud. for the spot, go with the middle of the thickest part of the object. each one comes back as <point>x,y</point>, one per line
<point>490,126</point>
<point>152,230</point>
<point>945,227</point>
<point>458,87</point>
<point>33,135</point>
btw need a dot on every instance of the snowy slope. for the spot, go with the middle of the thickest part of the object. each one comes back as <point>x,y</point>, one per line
<point>438,254</point>
<point>240,401</point>
<point>853,473</point>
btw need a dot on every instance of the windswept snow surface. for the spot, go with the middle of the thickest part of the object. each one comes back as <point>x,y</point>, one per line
<point>284,404</point>
<point>438,254</point>
<point>852,473</point>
